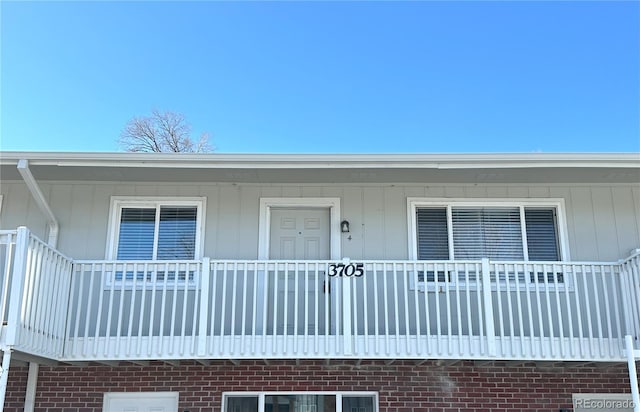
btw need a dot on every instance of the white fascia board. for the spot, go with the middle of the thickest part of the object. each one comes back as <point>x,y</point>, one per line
<point>322,161</point>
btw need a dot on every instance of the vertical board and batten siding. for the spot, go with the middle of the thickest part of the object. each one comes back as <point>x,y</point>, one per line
<point>603,221</point>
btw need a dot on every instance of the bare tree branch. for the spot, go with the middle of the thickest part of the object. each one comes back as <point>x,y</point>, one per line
<point>162,132</point>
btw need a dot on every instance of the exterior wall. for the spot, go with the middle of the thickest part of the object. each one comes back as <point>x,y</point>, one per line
<point>402,386</point>
<point>603,220</point>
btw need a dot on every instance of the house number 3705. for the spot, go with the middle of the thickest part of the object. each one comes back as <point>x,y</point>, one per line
<point>346,269</point>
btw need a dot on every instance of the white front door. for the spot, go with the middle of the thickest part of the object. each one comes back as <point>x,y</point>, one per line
<point>298,234</point>
<point>140,402</point>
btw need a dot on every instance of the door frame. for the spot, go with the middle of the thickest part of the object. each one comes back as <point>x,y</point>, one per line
<point>264,227</point>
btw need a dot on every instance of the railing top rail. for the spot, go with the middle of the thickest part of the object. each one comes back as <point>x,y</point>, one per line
<point>36,239</point>
<point>132,262</point>
<point>367,261</point>
<point>634,253</point>
<point>8,237</point>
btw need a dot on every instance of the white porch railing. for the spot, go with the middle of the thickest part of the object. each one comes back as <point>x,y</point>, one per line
<point>106,310</point>
<point>34,295</point>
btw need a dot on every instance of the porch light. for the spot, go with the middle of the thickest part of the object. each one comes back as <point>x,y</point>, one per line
<point>344,226</point>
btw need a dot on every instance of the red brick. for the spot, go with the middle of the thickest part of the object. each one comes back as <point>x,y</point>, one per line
<point>401,386</point>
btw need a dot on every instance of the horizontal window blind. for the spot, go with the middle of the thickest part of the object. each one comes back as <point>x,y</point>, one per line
<point>136,236</point>
<point>493,233</point>
<point>177,233</point>
<point>431,230</point>
<point>542,236</point>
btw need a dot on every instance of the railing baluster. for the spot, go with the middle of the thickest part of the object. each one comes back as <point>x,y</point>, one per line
<point>285,307</point>
<point>448,301</point>
<point>354,307</point>
<point>512,329</point>
<point>496,268</point>
<point>306,305</point>
<point>243,324</point>
<point>324,284</point>
<point>214,299</point>
<point>254,312</point>
<point>233,309</point>
<point>588,307</point>
<point>74,310</point>
<point>145,286</point>
<point>456,281</point>
<point>634,291</point>
<point>120,312</point>
<point>437,293</point>
<point>296,305</point>
<point>223,308</point>
<point>32,314</point>
<point>174,305</point>
<point>134,291</point>
<point>609,313</point>
<point>185,298</point>
<point>103,283</point>
<point>536,289</point>
<point>386,307</point>
<point>527,285</point>
<point>548,304</point>
<point>275,308</point>
<point>579,317</point>
<point>568,278</point>
<point>153,285</point>
<point>87,307</point>
<point>201,303</point>
<point>376,308</point>
<point>264,308</point>
<point>598,311</point>
<point>467,285</point>
<point>488,307</point>
<point>8,267</point>
<point>414,280</point>
<point>556,292</point>
<point>365,308</point>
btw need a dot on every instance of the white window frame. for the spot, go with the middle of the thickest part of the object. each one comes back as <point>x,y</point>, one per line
<point>414,203</point>
<point>120,202</point>
<point>338,394</point>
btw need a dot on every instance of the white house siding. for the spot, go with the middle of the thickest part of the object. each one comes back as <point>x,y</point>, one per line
<point>603,221</point>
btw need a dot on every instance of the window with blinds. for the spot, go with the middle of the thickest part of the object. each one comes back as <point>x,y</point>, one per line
<point>163,232</point>
<point>499,233</point>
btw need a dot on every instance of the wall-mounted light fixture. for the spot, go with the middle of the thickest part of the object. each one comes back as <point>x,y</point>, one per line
<point>344,226</point>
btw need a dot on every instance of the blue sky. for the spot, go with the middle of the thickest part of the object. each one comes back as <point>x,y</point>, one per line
<point>292,77</point>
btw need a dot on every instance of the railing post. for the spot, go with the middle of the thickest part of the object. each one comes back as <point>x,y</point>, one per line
<point>632,356</point>
<point>203,320</point>
<point>346,312</point>
<point>488,307</point>
<point>4,376</point>
<point>17,285</point>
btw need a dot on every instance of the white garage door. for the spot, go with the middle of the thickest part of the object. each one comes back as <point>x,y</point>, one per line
<point>141,402</point>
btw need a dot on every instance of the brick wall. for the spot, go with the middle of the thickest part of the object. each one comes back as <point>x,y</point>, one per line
<point>402,386</point>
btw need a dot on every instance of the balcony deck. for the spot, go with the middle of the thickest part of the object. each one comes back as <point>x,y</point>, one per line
<point>78,310</point>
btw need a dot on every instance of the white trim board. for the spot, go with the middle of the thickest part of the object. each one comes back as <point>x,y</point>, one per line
<point>266,203</point>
